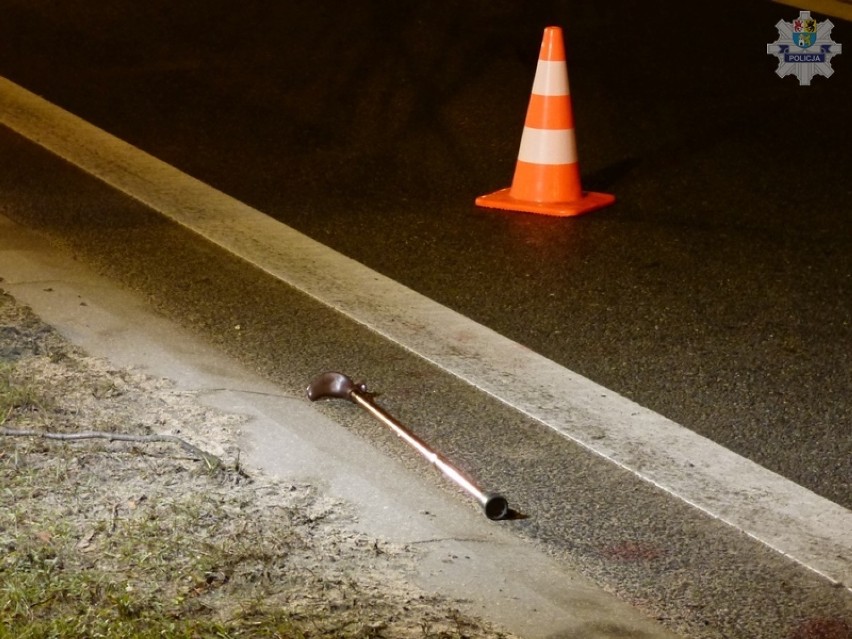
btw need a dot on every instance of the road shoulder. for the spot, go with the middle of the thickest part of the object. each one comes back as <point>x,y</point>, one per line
<point>492,573</point>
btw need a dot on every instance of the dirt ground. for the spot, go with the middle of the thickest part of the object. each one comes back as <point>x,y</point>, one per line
<point>152,538</point>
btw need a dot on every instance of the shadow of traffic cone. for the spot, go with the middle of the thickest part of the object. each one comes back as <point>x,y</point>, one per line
<point>547,175</point>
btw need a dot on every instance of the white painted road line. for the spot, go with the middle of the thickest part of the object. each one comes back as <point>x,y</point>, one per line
<point>836,8</point>
<point>793,520</point>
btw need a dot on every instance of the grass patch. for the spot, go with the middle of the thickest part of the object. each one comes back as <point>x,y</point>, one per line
<point>18,394</point>
<point>166,568</point>
<point>104,543</point>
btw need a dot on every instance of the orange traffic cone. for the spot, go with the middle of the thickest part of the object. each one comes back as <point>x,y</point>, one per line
<point>547,175</point>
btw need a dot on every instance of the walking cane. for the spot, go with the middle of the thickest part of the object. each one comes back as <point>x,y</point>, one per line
<point>338,385</point>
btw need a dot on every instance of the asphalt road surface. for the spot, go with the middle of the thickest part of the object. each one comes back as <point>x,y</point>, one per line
<point>715,292</point>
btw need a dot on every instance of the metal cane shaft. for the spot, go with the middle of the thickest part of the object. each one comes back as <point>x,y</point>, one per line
<point>340,386</point>
<point>420,446</point>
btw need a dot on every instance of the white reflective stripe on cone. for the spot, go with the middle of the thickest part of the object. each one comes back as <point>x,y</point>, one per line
<point>551,78</point>
<point>548,146</point>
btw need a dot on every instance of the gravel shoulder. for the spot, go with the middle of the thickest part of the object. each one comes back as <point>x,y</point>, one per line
<point>145,538</point>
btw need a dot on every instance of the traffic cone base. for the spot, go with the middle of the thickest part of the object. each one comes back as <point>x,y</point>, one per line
<point>588,201</point>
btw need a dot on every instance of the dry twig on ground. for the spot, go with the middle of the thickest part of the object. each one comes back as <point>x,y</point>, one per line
<point>211,460</point>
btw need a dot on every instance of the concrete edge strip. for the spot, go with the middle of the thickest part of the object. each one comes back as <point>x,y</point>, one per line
<point>794,521</point>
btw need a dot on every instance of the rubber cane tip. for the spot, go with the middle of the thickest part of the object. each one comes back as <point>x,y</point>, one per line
<point>496,507</point>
